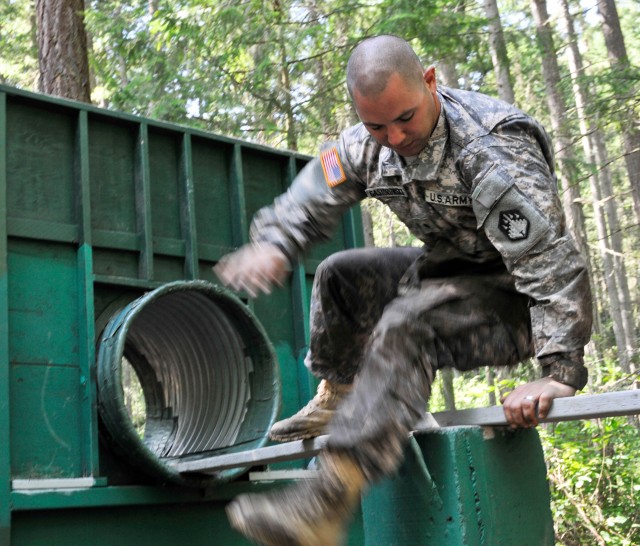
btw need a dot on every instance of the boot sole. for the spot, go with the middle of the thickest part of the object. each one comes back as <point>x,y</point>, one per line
<point>257,528</point>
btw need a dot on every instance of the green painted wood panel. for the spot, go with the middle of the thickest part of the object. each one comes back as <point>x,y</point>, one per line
<point>100,207</point>
<point>191,524</point>
<point>169,525</point>
<point>119,264</point>
<point>212,189</point>
<point>43,303</point>
<point>45,379</point>
<point>112,169</point>
<point>164,164</point>
<point>487,487</point>
<point>40,163</point>
<point>46,438</point>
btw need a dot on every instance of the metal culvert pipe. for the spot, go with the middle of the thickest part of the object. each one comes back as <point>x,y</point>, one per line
<point>208,374</point>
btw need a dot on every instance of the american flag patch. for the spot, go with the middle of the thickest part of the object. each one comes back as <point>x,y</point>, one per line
<point>332,168</point>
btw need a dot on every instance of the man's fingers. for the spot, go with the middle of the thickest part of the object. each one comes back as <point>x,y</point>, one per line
<point>544,405</point>
<point>529,410</point>
<point>222,272</point>
<point>260,284</point>
<point>521,411</point>
<point>528,404</point>
<point>254,269</point>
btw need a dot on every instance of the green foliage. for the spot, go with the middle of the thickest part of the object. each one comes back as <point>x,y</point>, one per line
<point>595,480</point>
<point>444,30</point>
<point>593,472</point>
<point>18,49</point>
<point>387,229</point>
<point>133,396</point>
<point>472,388</point>
<point>252,69</point>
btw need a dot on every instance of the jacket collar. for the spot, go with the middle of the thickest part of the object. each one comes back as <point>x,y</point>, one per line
<point>426,164</point>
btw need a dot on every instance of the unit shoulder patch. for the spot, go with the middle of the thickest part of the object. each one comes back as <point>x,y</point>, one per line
<point>332,167</point>
<point>514,224</point>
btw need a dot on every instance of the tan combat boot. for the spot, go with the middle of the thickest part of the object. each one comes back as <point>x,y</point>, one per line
<point>312,512</point>
<point>312,420</point>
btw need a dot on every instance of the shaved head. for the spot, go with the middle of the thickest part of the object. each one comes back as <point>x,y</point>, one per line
<point>374,60</point>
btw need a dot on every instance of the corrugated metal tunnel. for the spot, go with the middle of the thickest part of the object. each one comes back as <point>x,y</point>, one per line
<point>207,372</point>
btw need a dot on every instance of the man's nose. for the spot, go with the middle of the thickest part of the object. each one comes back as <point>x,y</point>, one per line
<point>395,135</point>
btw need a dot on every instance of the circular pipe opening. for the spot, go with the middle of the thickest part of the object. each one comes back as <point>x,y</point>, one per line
<point>207,373</point>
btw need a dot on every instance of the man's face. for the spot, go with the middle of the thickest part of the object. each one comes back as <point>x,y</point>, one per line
<point>403,116</point>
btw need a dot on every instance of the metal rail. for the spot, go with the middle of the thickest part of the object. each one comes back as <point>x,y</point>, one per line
<point>563,409</point>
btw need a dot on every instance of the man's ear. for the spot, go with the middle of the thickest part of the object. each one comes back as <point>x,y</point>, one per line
<point>429,77</point>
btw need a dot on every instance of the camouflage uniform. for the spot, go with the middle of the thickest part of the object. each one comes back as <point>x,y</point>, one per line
<point>498,279</point>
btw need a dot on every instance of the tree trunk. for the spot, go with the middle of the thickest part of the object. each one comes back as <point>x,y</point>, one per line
<point>62,45</point>
<point>285,89</point>
<point>619,61</point>
<point>498,50</point>
<point>448,74</point>
<point>367,226</point>
<point>448,392</point>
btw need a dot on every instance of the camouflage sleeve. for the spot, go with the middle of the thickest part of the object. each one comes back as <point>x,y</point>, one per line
<point>516,203</point>
<point>311,208</point>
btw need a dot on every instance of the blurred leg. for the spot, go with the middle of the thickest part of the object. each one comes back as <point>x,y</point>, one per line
<point>350,291</point>
<point>463,322</point>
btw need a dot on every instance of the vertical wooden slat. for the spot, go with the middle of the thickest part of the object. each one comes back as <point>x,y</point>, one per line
<point>239,221</point>
<point>240,226</point>
<point>188,209</point>
<point>300,303</point>
<point>353,231</point>
<point>299,294</point>
<point>86,311</point>
<point>5,459</point>
<point>143,203</point>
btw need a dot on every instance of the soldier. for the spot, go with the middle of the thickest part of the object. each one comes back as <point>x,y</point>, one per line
<point>498,280</point>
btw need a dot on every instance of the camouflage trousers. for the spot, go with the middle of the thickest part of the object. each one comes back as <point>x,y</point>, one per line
<point>387,320</point>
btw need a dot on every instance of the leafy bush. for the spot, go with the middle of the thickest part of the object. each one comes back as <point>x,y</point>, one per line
<point>594,477</point>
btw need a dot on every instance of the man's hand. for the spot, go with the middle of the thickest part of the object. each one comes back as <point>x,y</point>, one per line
<point>528,403</point>
<point>254,268</point>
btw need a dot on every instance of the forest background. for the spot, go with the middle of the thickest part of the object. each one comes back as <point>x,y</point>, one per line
<point>272,71</point>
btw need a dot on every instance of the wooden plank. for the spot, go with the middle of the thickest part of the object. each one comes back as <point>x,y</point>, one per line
<point>86,310</point>
<point>240,224</point>
<point>298,449</point>
<point>188,208</point>
<point>143,203</point>
<point>587,406</point>
<point>5,391</point>
<point>563,409</point>
<point>52,483</point>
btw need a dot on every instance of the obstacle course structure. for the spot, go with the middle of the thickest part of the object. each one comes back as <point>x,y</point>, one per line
<point>110,226</point>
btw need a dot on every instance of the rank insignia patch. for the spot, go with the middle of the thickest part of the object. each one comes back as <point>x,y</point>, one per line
<point>514,224</point>
<point>332,167</point>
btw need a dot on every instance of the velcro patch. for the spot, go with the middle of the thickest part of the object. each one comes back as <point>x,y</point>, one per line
<point>447,199</point>
<point>386,191</point>
<point>332,167</point>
